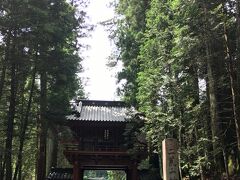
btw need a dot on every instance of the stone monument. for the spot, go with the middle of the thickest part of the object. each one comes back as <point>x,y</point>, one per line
<point>170,159</point>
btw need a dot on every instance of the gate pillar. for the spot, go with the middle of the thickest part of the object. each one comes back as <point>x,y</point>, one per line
<point>135,171</point>
<point>77,171</point>
<point>132,172</point>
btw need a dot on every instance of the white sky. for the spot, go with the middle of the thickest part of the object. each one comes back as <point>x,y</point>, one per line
<point>100,80</point>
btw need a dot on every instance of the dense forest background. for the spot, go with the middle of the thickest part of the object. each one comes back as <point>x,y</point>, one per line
<point>39,62</point>
<point>181,70</point>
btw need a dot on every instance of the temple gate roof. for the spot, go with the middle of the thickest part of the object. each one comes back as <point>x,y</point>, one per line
<point>94,110</point>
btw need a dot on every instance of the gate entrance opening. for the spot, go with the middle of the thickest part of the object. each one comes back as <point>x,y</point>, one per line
<point>104,175</point>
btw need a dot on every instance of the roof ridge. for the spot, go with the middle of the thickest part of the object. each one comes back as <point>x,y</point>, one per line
<point>103,103</point>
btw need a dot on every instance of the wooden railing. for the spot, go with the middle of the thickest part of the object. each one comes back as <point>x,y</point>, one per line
<point>92,147</point>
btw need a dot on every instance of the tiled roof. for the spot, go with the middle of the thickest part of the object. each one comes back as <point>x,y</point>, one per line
<point>88,110</point>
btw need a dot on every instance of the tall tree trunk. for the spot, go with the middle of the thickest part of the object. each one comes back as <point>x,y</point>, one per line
<point>233,85</point>
<point>238,43</point>
<point>2,83</point>
<point>4,65</point>
<point>11,114</point>
<point>199,124</point>
<point>10,57</point>
<point>180,145</point>
<point>237,92</point>
<point>215,129</point>
<point>212,105</point>
<point>23,130</point>
<point>41,169</point>
<point>2,80</point>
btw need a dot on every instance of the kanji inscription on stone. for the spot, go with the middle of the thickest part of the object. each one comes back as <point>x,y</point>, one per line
<point>170,159</point>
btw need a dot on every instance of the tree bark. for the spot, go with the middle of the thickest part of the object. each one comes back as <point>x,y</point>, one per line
<point>233,85</point>
<point>199,125</point>
<point>213,106</point>
<point>41,168</point>
<point>11,114</point>
<point>237,88</point>
<point>238,43</point>
<point>215,128</point>
<point>4,65</point>
<point>2,80</point>
<point>2,83</point>
<point>23,130</point>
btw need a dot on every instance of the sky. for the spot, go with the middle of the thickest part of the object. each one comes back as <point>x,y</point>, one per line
<point>100,80</point>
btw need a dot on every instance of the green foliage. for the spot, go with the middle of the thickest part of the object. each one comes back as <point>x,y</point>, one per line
<point>116,175</point>
<point>128,39</point>
<point>135,138</point>
<point>171,56</point>
<point>35,37</point>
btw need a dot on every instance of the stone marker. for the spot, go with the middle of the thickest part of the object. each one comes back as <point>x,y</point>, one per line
<point>170,159</point>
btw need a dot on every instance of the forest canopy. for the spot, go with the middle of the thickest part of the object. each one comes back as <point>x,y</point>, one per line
<point>39,62</point>
<point>181,65</point>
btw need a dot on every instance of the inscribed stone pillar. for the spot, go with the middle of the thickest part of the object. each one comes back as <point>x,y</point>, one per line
<point>170,159</point>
